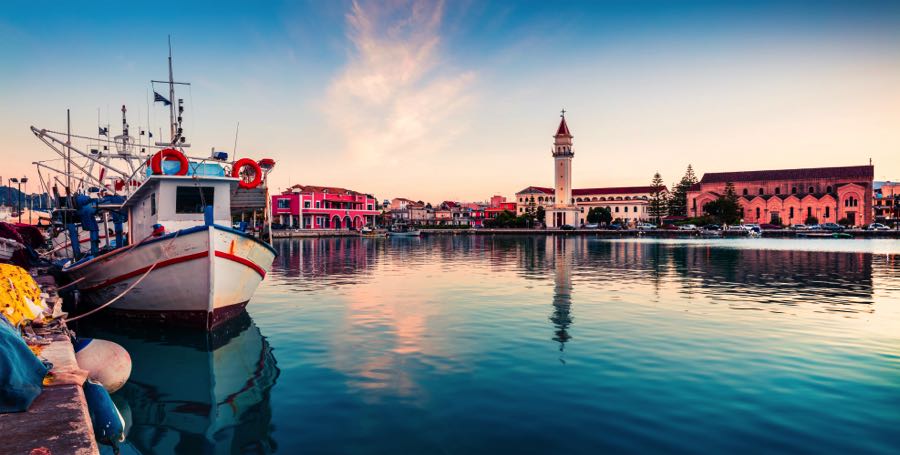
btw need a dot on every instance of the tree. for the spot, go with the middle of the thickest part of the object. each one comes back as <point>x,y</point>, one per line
<point>811,220</point>
<point>593,217</point>
<point>540,214</point>
<point>726,208</point>
<point>678,203</point>
<point>657,206</point>
<point>605,215</point>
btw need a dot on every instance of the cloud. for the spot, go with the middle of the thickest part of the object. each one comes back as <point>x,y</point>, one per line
<point>396,97</point>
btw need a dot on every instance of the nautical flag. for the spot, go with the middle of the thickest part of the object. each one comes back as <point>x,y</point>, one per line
<point>103,131</point>
<point>157,98</point>
<point>150,133</point>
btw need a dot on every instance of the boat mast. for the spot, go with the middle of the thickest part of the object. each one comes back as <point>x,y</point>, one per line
<point>171,96</point>
<point>68,150</point>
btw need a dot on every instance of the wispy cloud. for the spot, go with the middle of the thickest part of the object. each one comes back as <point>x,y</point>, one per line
<point>397,96</point>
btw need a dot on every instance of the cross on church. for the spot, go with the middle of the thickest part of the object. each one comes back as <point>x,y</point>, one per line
<point>562,113</point>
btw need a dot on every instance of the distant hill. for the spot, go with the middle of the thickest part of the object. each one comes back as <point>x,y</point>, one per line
<point>9,196</point>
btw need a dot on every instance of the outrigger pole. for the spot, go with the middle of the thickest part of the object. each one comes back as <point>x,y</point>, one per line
<point>44,136</point>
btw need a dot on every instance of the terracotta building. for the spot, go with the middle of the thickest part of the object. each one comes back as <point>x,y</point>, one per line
<point>790,196</point>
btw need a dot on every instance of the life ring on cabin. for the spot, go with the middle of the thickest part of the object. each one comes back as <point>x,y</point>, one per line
<point>238,169</point>
<point>169,155</point>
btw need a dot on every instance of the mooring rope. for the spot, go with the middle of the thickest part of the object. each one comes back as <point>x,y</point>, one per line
<point>129,288</point>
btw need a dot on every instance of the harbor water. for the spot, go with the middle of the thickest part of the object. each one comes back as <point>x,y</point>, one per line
<point>521,344</point>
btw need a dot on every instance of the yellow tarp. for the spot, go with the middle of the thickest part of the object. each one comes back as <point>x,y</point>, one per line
<point>20,295</point>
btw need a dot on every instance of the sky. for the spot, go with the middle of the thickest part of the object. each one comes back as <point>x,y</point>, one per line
<point>459,100</point>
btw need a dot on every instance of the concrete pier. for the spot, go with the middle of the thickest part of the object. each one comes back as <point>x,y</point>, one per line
<point>58,421</point>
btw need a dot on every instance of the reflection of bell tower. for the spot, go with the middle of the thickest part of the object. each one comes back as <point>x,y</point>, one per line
<point>562,290</point>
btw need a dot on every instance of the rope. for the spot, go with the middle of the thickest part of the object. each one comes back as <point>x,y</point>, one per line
<point>129,288</point>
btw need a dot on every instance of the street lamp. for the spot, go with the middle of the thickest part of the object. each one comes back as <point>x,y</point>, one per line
<point>19,182</point>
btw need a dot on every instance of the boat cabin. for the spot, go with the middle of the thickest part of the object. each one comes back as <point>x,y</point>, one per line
<point>178,202</point>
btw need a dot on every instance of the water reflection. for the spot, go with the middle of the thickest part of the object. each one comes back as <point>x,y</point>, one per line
<point>193,392</point>
<point>562,290</point>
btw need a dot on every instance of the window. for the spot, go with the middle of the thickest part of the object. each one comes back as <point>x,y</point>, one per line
<point>828,189</point>
<point>284,203</point>
<point>635,210</point>
<point>369,207</point>
<point>318,204</point>
<point>811,190</point>
<point>827,211</point>
<point>761,191</point>
<point>306,204</point>
<point>626,209</point>
<point>745,191</point>
<point>757,213</point>
<point>792,214</point>
<point>777,190</point>
<point>808,212</point>
<point>793,190</point>
<point>192,199</point>
<point>152,204</point>
<point>617,210</point>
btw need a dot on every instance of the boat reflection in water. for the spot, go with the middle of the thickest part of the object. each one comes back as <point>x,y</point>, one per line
<point>195,392</point>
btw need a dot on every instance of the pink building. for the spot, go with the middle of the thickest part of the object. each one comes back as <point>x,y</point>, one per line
<point>323,207</point>
<point>791,196</point>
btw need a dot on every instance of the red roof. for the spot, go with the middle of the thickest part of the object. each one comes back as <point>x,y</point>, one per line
<point>843,172</point>
<point>323,189</point>
<point>537,189</point>
<point>614,190</point>
<point>563,129</point>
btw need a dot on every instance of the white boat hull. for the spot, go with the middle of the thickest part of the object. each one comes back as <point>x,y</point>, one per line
<point>200,276</point>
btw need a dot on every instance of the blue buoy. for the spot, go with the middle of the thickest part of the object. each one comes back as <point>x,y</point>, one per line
<point>109,426</point>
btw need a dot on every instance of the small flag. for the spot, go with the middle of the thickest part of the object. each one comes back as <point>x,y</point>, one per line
<point>157,98</point>
<point>150,133</point>
<point>142,132</point>
<point>103,131</point>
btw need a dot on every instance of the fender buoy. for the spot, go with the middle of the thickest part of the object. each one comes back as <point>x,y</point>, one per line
<point>239,166</point>
<point>106,362</point>
<point>169,155</point>
<point>109,426</point>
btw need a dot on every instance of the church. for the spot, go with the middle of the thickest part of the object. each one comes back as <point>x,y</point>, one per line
<point>564,205</point>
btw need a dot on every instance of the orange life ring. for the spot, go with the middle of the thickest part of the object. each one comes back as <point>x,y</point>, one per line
<point>169,155</point>
<point>236,172</point>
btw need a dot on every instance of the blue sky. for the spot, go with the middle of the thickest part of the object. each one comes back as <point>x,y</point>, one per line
<point>458,100</point>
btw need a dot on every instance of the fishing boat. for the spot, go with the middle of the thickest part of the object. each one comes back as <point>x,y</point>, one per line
<point>403,230</point>
<point>175,255</point>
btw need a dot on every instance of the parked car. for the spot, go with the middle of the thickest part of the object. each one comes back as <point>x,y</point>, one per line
<point>646,226</point>
<point>739,228</point>
<point>831,227</point>
<point>591,226</point>
<point>770,227</point>
<point>616,227</point>
<point>712,227</point>
<point>799,227</point>
<point>567,227</point>
<point>877,227</point>
<point>670,227</point>
<point>687,227</point>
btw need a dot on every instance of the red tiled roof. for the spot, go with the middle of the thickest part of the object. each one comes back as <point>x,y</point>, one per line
<point>537,189</point>
<point>844,172</point>
<point>322,189</point>
<point>563,129</point>
<point>614,190</point>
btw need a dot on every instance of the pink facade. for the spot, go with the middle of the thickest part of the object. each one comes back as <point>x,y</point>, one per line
<point>790,196</point>
<point>319,207</point>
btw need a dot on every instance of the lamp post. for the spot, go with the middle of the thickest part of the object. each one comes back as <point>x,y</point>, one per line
<point>19,182</point>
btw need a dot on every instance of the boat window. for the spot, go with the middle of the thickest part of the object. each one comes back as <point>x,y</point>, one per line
<point>192,199</point>
<point>152,204</point>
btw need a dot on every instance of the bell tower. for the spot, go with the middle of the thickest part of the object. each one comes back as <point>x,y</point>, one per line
<point>563,211</point>
<point>562,166</point>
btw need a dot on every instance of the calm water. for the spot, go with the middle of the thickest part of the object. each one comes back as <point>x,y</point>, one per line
<point>537,345</point>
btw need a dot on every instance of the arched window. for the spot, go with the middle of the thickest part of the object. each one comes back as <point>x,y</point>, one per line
<point>594,198</point>
<point>777,190</point>
<point>828,189</point>
<point>793,190</point>
<point>635,209</point>
<point>745,191</point>
<point>627,198</point>
<point>762,191</point>
<point>626,209</point>
<point>757,213</point>
<point>811,190</point>
<point>540,199</point>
